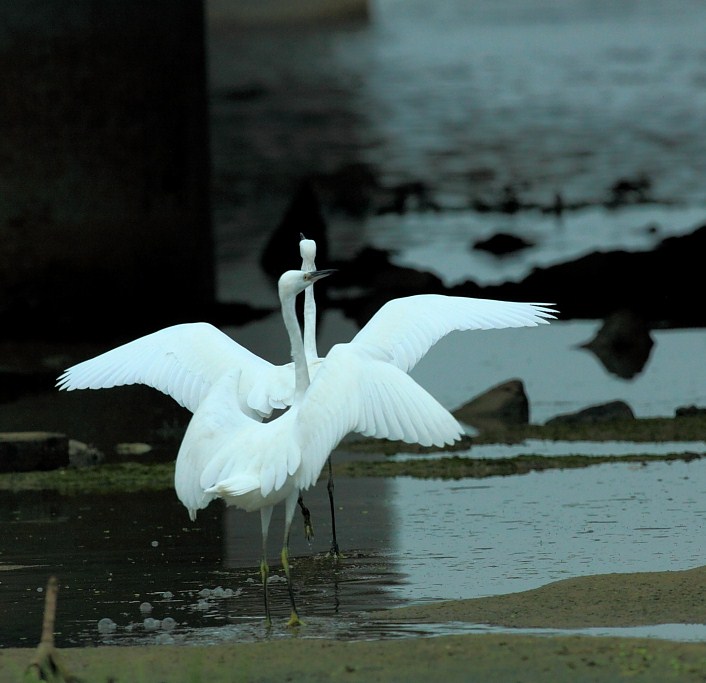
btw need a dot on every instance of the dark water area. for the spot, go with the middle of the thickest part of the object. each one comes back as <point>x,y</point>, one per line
<point>430,128</point>
<point>115,553</point>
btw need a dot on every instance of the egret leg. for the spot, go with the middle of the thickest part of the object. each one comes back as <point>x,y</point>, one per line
<point>290,505</point>
<point>308,529</point>
<point>334,552</point>
<point>265,516</point>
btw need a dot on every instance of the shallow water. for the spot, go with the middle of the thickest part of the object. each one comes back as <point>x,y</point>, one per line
<point>406,541</point>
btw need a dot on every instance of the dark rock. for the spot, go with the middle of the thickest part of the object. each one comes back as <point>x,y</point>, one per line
<point>31,451</point>
<point>83,455</point>
<point>630,191</point>
<point>501,406</point>
<point>690,411</point>
<point>603,412</point>
<point>653,284</point>
<point>502,243</point>
<point>303,216</point>
<point>622,344</point>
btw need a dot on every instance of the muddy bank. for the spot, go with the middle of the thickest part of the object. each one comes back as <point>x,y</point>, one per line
<point>450,658</point>
<point>609,600</point>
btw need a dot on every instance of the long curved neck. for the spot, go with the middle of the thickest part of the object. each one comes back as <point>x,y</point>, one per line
<point>310,324</point>
<point>301,371</point>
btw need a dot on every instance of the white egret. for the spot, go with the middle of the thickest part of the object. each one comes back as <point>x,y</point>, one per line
<point>361,386</point>
<point>255,465</point>
<point>307,249</point>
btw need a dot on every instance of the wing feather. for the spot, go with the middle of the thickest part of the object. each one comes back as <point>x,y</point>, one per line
<point>405,329</point>
<point>356,391</point>
<point>184,362</point>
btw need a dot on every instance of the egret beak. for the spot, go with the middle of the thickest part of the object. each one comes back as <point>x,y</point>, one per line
<point>315,275</point>
<point>301,236</point>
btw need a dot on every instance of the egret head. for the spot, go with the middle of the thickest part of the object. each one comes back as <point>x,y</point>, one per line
<point>295,281</point>
<point>307,249</point>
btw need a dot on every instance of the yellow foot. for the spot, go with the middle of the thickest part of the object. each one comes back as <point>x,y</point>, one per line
<point>294,620</point>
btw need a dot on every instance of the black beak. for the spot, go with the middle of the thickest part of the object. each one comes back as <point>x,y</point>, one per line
<point>315,275</point>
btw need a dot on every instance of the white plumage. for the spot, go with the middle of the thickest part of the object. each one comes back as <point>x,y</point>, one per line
<point>185,361</point>
<point>361,386</point>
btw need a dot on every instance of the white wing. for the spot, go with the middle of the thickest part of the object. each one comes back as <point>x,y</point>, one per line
<point>405,329</point>
<point>217,422</point>
<point>356,390</point>
<point>184,362</point>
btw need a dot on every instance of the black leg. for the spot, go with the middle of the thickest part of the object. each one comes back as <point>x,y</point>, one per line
<point>308,529</point>
<point>335,552</point>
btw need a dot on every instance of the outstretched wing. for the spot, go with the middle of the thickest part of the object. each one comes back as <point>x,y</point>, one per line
<point>405,329</point>
<point>356,390</point>
<point>182,361</point>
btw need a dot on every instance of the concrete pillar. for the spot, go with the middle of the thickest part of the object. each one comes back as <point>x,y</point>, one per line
<point>104,209</point>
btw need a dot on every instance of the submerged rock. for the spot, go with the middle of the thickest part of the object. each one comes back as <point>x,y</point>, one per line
<point>603,412</point>
<point>690,411</point>
<point>502,244</point>
<point>501,406</point>
<point>623,344</point>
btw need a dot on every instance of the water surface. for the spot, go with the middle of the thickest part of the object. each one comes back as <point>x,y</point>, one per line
<point>406,541</point>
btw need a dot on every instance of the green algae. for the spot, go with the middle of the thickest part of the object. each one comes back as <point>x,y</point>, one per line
<point>455,467</point>
<point>133,476</point>
<point>643,430</point>
<point>122,477</point>
<point>656,429</point>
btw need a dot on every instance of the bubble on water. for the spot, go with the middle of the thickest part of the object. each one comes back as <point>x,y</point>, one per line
<point>151,624</point>
<point>228,593</point>
<point>250,580</point>
<point>202,605</point>
<point>145,607</point>
<point>167,595</point>
<point>218,592</point>
<point>205,593</point>
<point>106,625</point>
<point>276,579</point>
<point>154,544</point>
<point>168,624</point>
<point>164,639</point>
